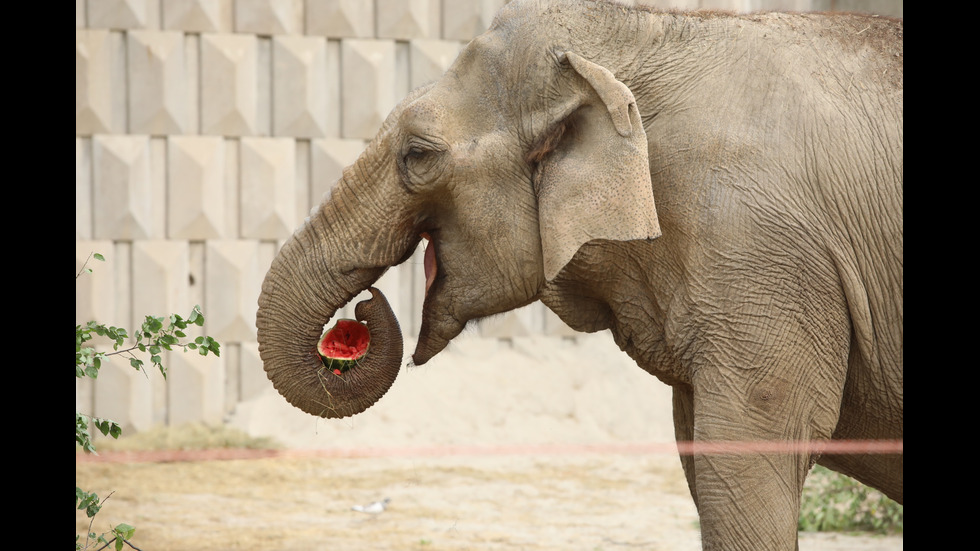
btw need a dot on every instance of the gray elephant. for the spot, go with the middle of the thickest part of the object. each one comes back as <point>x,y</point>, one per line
<point>722,192</point>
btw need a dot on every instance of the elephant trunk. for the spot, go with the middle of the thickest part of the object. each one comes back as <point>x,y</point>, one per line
<point>308,281</point>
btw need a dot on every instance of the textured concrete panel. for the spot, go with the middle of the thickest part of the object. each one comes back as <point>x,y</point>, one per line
<point>122,190</point>
<point>95,292</point>
<point>465,20</point>
<point>411,293</point>
<point>192,82</point>
<point>328,158</point>
<point>233,278</point>
<point>196,187</point>
<point>124,394</point>
<point>268,188</point>
<point>415,264</point>
<point>118,14</point>
<point>269,17</point>
<point>196,388</point>
<point>302,177</point>
<point>408,19</point>
<point>93,82</point>
<point>368,91</point>
<point>157,83</point>
<point>198,15</point>
<point>253,378</point>
<point>160,279</point>
<point>229,84</point>
<point>300,90</point>
<point>263,126</point>
<point>430,59</point>
<point>83,188</point>
<point>340,18</point>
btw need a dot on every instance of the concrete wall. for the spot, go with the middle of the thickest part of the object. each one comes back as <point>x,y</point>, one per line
<point>205,130</point>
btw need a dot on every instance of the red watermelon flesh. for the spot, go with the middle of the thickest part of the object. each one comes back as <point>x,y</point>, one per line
<point>344,344</point>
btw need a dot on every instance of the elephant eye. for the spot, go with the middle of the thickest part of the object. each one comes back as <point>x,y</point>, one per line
<point>414,153</point>
<point>414,158</point>
<point>417,147</point>
<point>420,161</point>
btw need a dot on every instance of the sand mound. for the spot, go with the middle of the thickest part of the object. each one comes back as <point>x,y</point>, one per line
<point>535,390</point>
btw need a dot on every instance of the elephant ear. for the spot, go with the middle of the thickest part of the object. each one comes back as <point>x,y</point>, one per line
<point>593,177</point>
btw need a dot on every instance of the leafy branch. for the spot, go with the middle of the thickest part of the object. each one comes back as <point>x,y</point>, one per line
<point>155,335</point>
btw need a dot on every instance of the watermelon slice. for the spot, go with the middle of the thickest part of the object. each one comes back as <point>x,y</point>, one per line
<point>343,345</point>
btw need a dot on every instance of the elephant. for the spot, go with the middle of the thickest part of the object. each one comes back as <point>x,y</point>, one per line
<point>721,192</point>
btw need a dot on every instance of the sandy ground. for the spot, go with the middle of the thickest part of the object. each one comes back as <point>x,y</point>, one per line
<point>533,445</point>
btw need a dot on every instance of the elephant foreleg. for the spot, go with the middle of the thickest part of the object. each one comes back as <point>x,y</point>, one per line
<point>745,501</point>
<point>684,431</point>
<point>748,501</point>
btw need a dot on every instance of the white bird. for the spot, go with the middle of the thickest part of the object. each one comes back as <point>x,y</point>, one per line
<point>373,508</point>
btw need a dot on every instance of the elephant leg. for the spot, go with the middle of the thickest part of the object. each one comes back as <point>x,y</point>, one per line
<point>747,498</point>
<point>749,501</point>
<point>684,431</point>
<point>740,492</point>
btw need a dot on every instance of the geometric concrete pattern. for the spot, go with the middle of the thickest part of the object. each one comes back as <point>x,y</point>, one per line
<point>229,84</point>
<point>206,131</point>
<point>201,16</point>
<point>301,77</point>
<point>157,83</point>
<point>340,18</point>
<point>368,89</point>
<point>196,193</point>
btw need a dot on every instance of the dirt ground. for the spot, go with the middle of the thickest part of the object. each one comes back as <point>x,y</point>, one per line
<point>541,424</point>
<point>506,502</point>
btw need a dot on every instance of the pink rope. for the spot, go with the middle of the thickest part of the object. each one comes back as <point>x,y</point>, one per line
<point>683,448</point>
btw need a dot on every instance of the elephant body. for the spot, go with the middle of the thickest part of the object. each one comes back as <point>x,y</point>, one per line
<point>721,192</point>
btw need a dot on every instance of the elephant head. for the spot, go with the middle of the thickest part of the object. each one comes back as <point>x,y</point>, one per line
<point>507,165</point>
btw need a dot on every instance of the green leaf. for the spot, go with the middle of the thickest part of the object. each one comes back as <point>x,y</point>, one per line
<point>87,501</point>
<point>98,256</point>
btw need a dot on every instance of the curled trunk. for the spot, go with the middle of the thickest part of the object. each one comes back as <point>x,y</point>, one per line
<point>340,250</point>
<point>299,375</point>
<point>301,292</point>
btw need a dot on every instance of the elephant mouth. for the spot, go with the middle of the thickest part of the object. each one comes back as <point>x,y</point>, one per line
<point>429,262</point>
<point>439,324</point>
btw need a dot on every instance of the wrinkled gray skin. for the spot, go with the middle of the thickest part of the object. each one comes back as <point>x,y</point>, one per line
<point>770,159</point>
